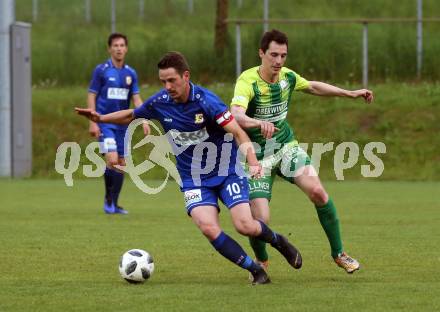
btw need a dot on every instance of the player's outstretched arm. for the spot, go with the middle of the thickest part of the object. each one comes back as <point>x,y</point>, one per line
<point>246,122</point>
<point>325,89</point>
<point>245,146</point>
<point>122,117</point>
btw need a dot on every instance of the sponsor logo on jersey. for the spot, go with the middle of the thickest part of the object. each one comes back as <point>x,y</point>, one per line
<point>274,112</point>
<point>168,119</point>
<point>112,79</point>
<point>284,84</point>
<point>189,138</point>
<point>128,80</point>
<point>117,93</point>
<point>192,196</point>
<point>198,119</point>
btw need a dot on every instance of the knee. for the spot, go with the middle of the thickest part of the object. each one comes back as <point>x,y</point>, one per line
<point>112,163</point>
<point>246,227</point>
<point>318,195</point>
<point>121,162</point>
<point>211,231</point>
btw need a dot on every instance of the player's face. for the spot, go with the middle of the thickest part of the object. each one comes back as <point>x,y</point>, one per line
<point>274,58</point>
<point>176,85</point>
<point>118,49</point>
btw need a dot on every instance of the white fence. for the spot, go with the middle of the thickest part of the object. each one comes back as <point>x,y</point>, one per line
<point>365,22</point>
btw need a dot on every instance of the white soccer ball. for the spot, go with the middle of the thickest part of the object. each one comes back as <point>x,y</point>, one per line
<point>136,266</point>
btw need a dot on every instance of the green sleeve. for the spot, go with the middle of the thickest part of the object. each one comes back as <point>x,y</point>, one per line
<point>301,83</point>
<point>243,93</point>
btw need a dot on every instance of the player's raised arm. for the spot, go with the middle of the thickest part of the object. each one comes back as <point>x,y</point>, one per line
<point>122,117</point>
<point>325,89</point>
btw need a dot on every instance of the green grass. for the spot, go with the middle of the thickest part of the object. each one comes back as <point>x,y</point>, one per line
<point>403,116</point>
<point>65,49</point>
<point>59,252</point>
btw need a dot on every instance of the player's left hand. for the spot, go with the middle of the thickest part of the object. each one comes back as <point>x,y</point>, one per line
<point>267,129</point>
<point>255,171</point>
<point>365,93</point>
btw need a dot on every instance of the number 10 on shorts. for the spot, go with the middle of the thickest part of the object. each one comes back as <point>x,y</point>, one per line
<point>233,188</point>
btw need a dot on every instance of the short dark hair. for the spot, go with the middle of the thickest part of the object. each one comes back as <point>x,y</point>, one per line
<point>114,36</point>
<point>174,60</point>
<point>273,35</point>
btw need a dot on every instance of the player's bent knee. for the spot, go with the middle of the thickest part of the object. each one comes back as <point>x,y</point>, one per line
<point>318,196</point>
<point>246,227</point>
<point>211,231</point>
<point>112,164</point>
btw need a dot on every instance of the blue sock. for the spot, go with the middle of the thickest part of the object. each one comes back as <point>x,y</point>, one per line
<point>231,250</point>
<point>267,235</point>
<point>118,179</point>
<point>108,181</point>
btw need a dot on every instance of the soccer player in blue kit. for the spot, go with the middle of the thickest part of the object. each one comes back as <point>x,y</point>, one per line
<point>199,128</point>
<point>113,85</point>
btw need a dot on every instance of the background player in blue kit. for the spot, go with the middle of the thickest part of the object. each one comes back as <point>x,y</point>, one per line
<point>113,85</point>
<point>199,128</point>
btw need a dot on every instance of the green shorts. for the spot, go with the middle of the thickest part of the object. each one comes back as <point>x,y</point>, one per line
<point>283,163</point>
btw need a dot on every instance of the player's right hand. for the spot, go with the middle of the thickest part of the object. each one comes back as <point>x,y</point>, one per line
<point>267,129</point>
<point>94,130</point>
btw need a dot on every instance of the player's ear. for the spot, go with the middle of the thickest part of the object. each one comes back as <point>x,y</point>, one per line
<point>186,75</point>
<point>260,53</point>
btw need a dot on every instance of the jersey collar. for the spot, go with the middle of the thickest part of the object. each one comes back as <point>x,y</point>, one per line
<point>268,82</point>
<point>110,64</point>
<point>191,97</point>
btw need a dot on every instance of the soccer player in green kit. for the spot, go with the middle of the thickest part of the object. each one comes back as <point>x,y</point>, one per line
<point>261,100</point>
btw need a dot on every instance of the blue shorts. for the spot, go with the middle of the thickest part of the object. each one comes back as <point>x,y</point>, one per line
<point>232,190</point>
<point>112,140</point>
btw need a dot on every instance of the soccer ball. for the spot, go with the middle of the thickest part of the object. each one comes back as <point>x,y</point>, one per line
<point>136,266</point>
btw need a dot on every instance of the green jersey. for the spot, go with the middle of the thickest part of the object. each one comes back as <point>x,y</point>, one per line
<point>268,102</point>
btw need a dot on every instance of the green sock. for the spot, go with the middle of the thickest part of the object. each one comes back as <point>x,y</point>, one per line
<point>330,223</point>
<point>259,248</point>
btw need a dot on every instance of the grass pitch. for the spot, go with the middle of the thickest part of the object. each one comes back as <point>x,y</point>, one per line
<point>59,252</point>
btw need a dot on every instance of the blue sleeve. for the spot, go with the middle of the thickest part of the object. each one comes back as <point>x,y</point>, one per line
<point>214,105</point>
<point>146,110</point>
<point>135,86</point>
<point>96,82</point>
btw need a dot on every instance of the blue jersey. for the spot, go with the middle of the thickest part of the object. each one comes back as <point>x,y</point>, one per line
<point>204,152</point>
<point>113,87</point>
